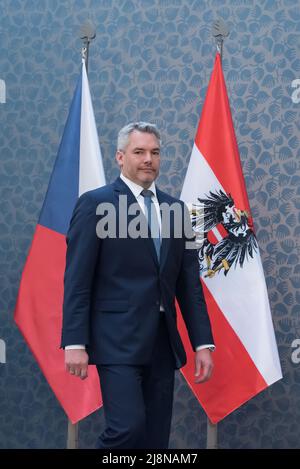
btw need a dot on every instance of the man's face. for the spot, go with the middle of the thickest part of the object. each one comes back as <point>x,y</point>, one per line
<point>140,160</point>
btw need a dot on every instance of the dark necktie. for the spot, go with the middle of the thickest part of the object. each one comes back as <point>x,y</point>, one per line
<point>152,218</point>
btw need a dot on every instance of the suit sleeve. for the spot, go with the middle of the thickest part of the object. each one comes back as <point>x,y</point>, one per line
<point>189,292</point>
<point>82,252</point>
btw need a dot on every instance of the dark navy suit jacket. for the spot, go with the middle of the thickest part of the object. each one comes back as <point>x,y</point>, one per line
<point>113,287</point>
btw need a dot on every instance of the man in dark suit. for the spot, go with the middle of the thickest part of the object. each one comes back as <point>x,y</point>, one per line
<point>119,299</point>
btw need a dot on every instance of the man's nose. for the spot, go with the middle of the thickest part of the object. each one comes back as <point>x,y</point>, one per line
<point>148,157</point>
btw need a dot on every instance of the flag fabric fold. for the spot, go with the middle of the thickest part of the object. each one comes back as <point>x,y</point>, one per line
<point>38,313</point>
<point>246,357</point>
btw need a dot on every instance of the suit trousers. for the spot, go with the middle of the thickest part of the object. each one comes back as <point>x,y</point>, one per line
<point>138,399</point>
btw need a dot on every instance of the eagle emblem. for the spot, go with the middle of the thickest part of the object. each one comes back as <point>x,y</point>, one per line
<point>224,234</point>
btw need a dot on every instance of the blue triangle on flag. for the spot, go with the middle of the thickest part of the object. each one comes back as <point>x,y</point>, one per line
<point>63,187</point>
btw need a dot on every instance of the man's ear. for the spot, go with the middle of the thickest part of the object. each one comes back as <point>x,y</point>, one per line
<point>119,158</point>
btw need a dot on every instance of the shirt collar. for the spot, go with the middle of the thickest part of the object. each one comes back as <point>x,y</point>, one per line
<point>136,189</point>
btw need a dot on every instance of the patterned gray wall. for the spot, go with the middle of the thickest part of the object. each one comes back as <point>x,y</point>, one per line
<point>152,60</point>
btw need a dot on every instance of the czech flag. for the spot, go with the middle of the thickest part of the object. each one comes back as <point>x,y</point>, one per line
<point>38,313</point>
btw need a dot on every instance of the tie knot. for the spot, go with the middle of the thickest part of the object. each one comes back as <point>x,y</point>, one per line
<point>146,193</point>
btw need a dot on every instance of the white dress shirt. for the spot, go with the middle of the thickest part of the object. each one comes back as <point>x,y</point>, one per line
<point>136,189</point>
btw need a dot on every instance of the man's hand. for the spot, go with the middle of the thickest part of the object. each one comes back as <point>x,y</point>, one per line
<point>203,365</point>
<point>76,362</point>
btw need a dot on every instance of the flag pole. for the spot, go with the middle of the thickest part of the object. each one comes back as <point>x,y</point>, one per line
<point>87,34</point>
<point>212,435</point>
<point>72,442</point>
<point>219,31</point>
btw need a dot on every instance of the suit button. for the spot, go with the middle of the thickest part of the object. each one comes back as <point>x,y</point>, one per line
<point>157,303</point>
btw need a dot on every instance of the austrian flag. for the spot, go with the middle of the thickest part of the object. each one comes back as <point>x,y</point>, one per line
<point>246,356</point>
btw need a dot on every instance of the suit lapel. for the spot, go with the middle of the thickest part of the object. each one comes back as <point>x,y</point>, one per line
<point>120,188</point>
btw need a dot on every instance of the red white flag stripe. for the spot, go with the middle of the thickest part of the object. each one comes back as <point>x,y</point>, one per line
<point>246,357</point>
<point>91,171</point>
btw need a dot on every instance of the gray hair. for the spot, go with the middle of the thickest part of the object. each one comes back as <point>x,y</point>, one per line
<point>124,133</point>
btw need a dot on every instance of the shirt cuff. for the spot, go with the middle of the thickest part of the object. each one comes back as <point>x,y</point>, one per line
<point>211,347</point>
<point>75,347</point>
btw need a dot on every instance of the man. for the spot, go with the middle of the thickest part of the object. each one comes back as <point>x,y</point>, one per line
<point>119,299</point>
